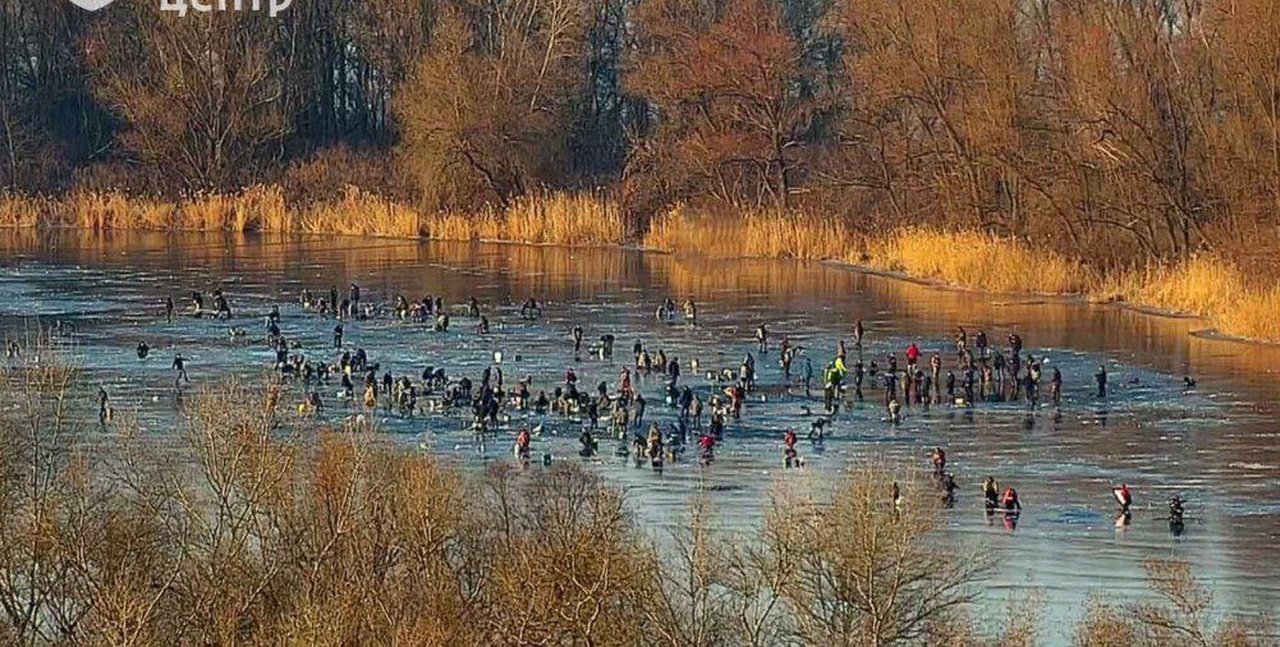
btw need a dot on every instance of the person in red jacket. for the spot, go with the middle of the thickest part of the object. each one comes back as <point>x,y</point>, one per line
<point>522,445</point>
<point>913,356</point>
<point>1010,501</point>
<point>624,381</point>
<point>736,394</point>
<point>1123,497</point>
<point>708,445</point>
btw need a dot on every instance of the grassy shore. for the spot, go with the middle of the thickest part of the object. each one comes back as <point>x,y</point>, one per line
<point>558,219</point>
<point>1205,286</point>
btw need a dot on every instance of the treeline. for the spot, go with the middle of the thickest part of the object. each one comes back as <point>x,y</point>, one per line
<point>1116,131</point>
<point>247,525</point>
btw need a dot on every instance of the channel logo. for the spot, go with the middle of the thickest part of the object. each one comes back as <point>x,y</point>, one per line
<point>181,7</point>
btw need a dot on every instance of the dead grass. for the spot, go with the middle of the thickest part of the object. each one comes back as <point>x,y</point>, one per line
<point>1202,285</point>
<point>978,260</point>
<point>22,211</point>
<point>552,218</point>
<point>113,210</point>
<point>356,213</point>
<point>1207,286</point>
<point>967,259</point>
<point>257,208</point>
<point>752,234</point>
<point>579,219</point>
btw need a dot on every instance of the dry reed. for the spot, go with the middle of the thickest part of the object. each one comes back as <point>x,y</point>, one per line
<point>543,219</point>
<point>22,211</point>
<point>765,234</point>
<point>357,213</point>
<point>1206,286</point>
<point>552,218</point>
<point>978,260</point>
<point>967,259</point>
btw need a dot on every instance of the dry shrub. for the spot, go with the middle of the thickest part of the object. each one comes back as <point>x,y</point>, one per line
<point>853,569</point>
<point>43,480</point>
<point>977,260</point>
<point>345,542</point>
<point>326,175</point>
<point>375,549</point>
<point>690,604</point>
<point>1105,625</point>
<point>1022,622</point>
<point>111,175</point>
<point>1181,616</point>
<point>568,565</point>
<point>244,533</point>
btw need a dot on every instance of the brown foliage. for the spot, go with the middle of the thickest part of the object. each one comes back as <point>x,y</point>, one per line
<point>1181,616</point>
<point>1093,128</point>
<point>1125,134</point>
<point>485,114</point>
<point>861,570</point>
<point>734,108</point>
<point>326,174</point>
<point>202,96</point>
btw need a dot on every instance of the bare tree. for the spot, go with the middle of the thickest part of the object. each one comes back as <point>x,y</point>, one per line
<point>1181,617</point>
<point>202,96</point>
<point>687,603</point>
<point>866,570</point>
<point>734,103</point>
<point>485,114</point>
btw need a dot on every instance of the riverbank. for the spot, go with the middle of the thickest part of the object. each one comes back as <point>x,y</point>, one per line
<point>560,219</point>
<point>1203,286</point>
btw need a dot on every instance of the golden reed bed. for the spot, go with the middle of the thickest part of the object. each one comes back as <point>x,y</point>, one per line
<point>1205,286</point>
<point>559,219</point>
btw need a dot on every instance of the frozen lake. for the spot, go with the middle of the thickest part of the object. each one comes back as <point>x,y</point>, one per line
<point>1215,444</point>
